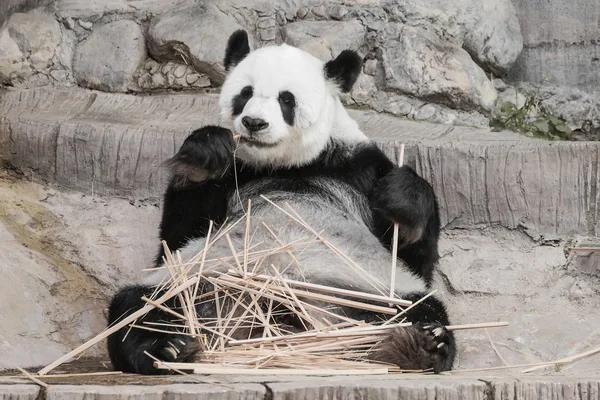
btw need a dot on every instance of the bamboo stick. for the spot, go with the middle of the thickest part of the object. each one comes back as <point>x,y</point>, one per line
<point>477,326</point>
<point>33,378</point>
<point>214,370</point>
<point>567,360</point>
<point>341,292</point>
<point>326,298</point>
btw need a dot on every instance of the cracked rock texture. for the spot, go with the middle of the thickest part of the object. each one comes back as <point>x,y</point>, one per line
<point>113,41</point>
<point>197,35</point>
<point>109,57</point>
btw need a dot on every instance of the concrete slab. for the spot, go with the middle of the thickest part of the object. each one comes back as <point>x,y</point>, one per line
<point>372,388</point>
<point>19,392</point>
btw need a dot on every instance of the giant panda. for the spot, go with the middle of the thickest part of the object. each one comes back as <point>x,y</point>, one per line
<point>297,144</point>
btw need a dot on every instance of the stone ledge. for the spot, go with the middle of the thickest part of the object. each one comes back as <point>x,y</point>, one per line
<point>115,144</point>
<point>374,388</point>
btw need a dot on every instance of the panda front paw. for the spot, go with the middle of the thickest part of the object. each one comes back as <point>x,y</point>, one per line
<point>177,348</point>
<point>418,347</point>
<point>205,154</point>
<point>405,198</point>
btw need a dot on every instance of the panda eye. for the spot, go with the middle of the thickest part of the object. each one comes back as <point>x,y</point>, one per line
<point>287,98</point>
<point>247,92</point>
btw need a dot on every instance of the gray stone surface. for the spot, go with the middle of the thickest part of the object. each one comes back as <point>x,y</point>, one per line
<point>325,39</point>
<point>27,45</point>
<point>561,43</point>
<point>63,254</point>
<point>416,62</point>
<point>8,7</point>
<point>367,388</point>
<point>488,29</point>
<point>378,389</point>
<point>19,392</point>
<point>201,43</point>
<point>110,56</point>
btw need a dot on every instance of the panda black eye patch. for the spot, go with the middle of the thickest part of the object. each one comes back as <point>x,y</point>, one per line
<point>239,101</point>
<point>287,102</point>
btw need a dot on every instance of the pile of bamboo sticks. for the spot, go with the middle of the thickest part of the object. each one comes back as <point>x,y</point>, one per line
<point>250,297</point>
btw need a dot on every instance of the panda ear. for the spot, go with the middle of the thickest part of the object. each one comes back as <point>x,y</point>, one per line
<point>237,49</point>
<point>344,70</point>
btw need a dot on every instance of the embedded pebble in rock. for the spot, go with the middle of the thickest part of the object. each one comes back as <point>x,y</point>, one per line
<point>192,78</point>
<point>203,82</point>
<point>69,23</point>
<point>302,12</point>
<point>267,23</point>
<point>268,34</point>
<point>319,11</point>
<point>398,107</point>
<point>170,79</point>
<point>426,112</point>
<point>180,82</point>
<point>145,81</point>
<point>338,12</point>
<point>86,24</point>
<point>280,17</point>
<point>179,71</point>
<point>158,81</point>
<point>166,68</point>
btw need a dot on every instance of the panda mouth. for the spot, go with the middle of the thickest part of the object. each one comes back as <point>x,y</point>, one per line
<point>256,143</point>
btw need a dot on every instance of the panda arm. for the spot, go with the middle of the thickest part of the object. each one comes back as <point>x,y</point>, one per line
<point>201,181</point>
<point>187,211</point>
<point>400,195</point>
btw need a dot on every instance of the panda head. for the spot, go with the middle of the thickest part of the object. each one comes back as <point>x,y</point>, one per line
<point>283,102</point>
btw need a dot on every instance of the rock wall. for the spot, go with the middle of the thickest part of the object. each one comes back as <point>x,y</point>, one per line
<point>561,43</point>
<point>423,60</point>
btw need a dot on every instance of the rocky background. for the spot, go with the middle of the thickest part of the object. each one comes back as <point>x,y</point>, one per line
<point>447,62</point>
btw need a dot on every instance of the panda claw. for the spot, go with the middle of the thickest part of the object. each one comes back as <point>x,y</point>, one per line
<point>440,345</point>
<point>171,351</point>
<point>439,331</point>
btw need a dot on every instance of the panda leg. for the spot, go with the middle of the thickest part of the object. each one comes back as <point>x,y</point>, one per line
<point>127,347</point>
<point>427,344</point>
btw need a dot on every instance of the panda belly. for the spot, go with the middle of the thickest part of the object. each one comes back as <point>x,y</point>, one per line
<point>328,206</point>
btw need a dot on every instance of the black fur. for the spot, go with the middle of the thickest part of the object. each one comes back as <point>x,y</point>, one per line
<point>344,70</point>
<point>129,355</point>
<point>239,101</point>
<point>287,102</point>
<point>237,49</point>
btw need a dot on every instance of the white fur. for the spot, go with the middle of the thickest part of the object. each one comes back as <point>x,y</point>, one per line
<point>319,113</point>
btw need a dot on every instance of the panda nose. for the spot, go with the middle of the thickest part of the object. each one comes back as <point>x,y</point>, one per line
<point>254,124</point>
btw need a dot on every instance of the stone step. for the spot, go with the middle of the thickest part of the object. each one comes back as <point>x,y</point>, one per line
<point>115,144</point>
<point>371,388</point>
